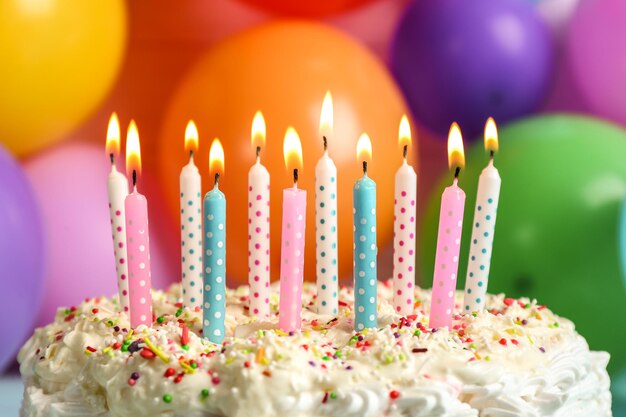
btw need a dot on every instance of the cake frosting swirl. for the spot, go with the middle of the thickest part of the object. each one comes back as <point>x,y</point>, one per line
<point>517,358</point>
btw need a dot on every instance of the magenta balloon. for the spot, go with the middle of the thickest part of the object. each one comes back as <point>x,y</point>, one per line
<point>70,182</point>
<point>596,48</point>
<point>466,60</point>
<point>21,258</point>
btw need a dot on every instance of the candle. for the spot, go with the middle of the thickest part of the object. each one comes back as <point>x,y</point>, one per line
<point>137,238</point>
<point>326,219</point>
<point>292,239</point>
<point>191,223</point>
<point>214,308</point>
<point>117,188</point>
<point>449,237</point>
<point>405,205</point>
<point>365,280</point>
<point>259,226</point>
<point>484,224</point>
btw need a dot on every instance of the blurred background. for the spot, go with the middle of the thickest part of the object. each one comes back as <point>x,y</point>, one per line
<point>551,72</point>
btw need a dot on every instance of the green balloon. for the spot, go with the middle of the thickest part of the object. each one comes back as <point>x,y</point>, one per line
<point>557,229</point>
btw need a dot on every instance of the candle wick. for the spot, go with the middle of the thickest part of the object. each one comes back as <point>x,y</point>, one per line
<point>112,157</point>
<point>295,176</point>
<point>217,178</point>
<point>258,151</point>
<point>405,151</point>
<point>190,153</point>
<point>134,178</point>
<point>325,142</point>
<point>365,167</point>
<point>492,153</point>
<point>457,171</point>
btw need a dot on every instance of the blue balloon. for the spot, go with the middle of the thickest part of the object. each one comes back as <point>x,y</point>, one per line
<point>21,258</point>
<point>466,60</point>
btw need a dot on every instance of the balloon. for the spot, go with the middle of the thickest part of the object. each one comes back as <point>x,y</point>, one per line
<point>557,13</point>
<point>468,60</point>
<point>306,8</point>
<point>59,59</point>
<point>21,258</point>
<point>563,181</point>
<point>70,184</point>
<point>284,70</point>
<point>597,55</point>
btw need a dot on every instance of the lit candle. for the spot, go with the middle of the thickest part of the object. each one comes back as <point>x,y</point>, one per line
<point>117,188</point>
<point>214,308</point>
<point>191,223</point>
<point>365,250</point>
<point>326,219</point>
<point>292,239</point>
<point>405,205</point>
<point>484,226</point>
<point>137,238</point>
<point>448,237</point>
<point>259,226</point>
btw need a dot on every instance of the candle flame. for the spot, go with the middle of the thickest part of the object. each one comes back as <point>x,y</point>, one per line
<point>258,130</point>
<point>456,155</point>
<point>326,116</point>
<point>404,132</point>
<point>113,136</point>
<point>216,158</point>
<point>133,150</point>
<point>491,135</point>
<point>364,148</point>
<point>292,149</point>
<point>191,137</point>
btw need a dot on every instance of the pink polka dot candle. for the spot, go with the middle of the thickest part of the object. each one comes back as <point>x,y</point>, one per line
<point>292,240</point>
<point>137,238</point>
<point>259,226</point>
<point>448,237</point>
<point>117,188</point>
<point>405,204</point>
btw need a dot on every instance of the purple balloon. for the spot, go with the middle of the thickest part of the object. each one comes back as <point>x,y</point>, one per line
<point>466,60</point>
<point>21,258</point>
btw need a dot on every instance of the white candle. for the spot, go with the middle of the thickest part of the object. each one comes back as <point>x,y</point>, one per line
<point>405,205</point>
<point>191,224</point>
<point>117,189</point>
<point>483,227</point>
<point>259,226</point>
<point>326,249</point>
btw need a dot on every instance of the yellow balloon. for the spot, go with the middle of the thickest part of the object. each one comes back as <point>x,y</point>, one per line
<point>58,60</point>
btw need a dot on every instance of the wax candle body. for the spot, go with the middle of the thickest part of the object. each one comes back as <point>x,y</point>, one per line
<point>481,243</point>
<point>117,188</point>
<point>191,234</point>
<point>214,308</point>
<point>365,251</point>
<point>405,205</point>
<point>326,235</point>
<point>447,256</point>
<point>292,259</point>
<point>259,240</point>
<point>138,245</point>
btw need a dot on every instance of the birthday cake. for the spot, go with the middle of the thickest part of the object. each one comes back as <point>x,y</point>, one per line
<point>517,358</point>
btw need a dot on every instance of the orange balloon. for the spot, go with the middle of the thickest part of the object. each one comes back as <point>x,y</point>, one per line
<point>284,69</point>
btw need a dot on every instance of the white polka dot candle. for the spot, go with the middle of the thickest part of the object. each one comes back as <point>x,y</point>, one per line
<point>259,226</point>
<point>326,219</point>
<point>365,249</point>
<point>405,205</point>
<point>292,240</point>
<point>214,307</point>
<point>191,223</point>
<point>483,228</point>
<point>117,189</point>
<point>137,238</point>
<point>448,237</point>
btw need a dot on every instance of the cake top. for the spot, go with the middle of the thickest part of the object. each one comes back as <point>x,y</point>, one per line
<point>325,369</point>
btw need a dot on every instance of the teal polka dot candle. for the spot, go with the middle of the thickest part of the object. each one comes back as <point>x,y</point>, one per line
<point>365,249</point>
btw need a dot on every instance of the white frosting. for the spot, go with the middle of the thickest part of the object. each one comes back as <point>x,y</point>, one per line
<point>516,359</point>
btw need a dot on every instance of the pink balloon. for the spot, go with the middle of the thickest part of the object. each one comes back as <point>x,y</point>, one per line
<point>70,185</point>
<point>596,49</point>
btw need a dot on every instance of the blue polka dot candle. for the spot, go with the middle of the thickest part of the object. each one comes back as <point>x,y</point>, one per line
<point>214,306</point>
<point>483,228</point>
<point>365,250</point>
<point>191,223</point>
<point>448,237</point>
<point>326,219</point>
